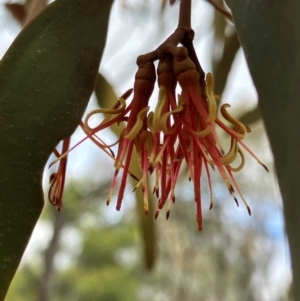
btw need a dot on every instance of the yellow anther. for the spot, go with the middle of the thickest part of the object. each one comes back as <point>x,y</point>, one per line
<point>209,91</point>
<point>202,133</point>
<point>150,121</point>
<point>162,98</point>
<point>138,125</point>
<point>158,121</point>
<point>118,108</point>
<point>146,139</point>
<point>232,153</point>
<point>235,169</point>
<point>239,129</point>
<point>218,97</point>
<point>164,118</point>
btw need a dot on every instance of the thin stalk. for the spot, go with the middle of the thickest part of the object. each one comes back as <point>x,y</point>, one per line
<point>185,14</point>
<point>184,34</point>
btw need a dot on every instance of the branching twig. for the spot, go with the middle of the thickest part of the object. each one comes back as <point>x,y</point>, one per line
<point>184,34</point>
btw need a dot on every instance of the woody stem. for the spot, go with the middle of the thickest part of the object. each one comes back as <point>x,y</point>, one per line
<point>185,23</point>
<point>185,14</point>
<point>184,34</point>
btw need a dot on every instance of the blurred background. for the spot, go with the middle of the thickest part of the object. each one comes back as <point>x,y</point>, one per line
<point>89,251</point>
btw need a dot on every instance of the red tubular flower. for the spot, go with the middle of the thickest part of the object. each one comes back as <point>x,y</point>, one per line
<point>159,122</point>
<point>134,132</point>
<point>177,131</point>
<point>191,135</point>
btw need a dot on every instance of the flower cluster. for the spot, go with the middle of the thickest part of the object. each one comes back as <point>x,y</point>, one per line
<point>180,129</point>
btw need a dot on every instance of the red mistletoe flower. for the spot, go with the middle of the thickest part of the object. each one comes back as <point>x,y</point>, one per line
<point>181,129</point>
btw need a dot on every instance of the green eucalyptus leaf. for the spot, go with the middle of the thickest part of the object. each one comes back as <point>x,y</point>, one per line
<point>105,93</point>
<point>269,34</point>
<point>46,79</point>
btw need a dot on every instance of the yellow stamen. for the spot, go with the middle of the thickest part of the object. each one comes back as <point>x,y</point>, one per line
<point>232,153</point>
<point>163,120</point>
<point>162,98</point>
<point>209,91</point>
<point>146,139</point>
<point>235,169</point>
<point>138,125</point>
<point>239,128</point>
<point>118,108</point>
<point>202,133</point>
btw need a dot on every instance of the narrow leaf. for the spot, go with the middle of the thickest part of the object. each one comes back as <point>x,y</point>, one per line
<point>46,79</point>
<point>269,34</point>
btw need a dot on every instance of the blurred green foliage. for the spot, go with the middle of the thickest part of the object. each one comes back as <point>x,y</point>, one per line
<point>105,262</point>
